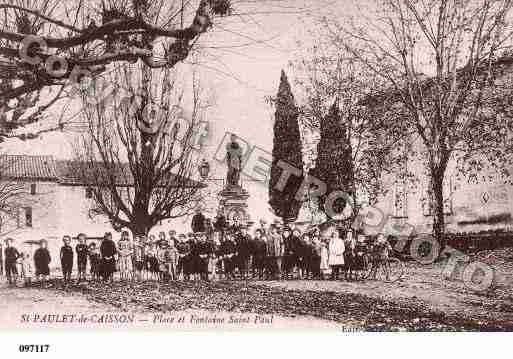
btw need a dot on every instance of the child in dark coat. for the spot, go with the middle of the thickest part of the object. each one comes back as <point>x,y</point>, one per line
<point>94,260</point>
<point>11,256</point>
<point>82,253</point>
<point>42,261</point>
<point>66,259</point>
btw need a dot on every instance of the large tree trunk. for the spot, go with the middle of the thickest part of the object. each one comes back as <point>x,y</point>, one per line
<point>140,228</point>
<point>437,178</point>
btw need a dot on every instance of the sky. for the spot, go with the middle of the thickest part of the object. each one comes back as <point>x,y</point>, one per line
<point>240,64</point>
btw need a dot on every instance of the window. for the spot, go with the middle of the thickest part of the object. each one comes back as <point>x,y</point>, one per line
<point>28,216</point>
<point>32,188</point>
<point>89,192</point>
<point>400,201</point>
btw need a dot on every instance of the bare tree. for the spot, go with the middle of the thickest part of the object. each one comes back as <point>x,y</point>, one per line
<point>13,193</point>
<point>73,39</point>
<point>139,155</point>
<point>333,81</point>
<point>95,34</point>
<point>438,59</point>
<point>27,107</point>
<point>69,40</point>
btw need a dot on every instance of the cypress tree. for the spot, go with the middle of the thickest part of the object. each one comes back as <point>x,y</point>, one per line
<point>286,148</point>
<point>334,164</point>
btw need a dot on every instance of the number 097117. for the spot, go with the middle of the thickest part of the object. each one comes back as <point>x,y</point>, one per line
<point>33,348</point>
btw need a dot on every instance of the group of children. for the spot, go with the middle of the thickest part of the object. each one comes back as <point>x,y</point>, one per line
<point>18,266</point>
<point>273,252</point>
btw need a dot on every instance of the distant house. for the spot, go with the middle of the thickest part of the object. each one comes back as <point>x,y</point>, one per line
<point>52,201</point>
<point>483,202</point>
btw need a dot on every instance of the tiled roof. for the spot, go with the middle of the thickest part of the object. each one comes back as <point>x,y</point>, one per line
<point>28,168</point>
<point>71,173</point>
<point>65,172</point>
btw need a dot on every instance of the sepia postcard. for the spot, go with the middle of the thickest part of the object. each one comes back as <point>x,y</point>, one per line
<point>236,165</point>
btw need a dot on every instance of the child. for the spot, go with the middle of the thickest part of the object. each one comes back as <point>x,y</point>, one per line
<point>152,264</point>
<point>381,251</point>
<point>42,261</point>
<point>94,261</point>
<point>304,251</point>
<point>125,257</point>
<point>66,255</point>
<point>138,256</point>
<point>336,249</point>
<point>172,260</point>
<point>359,259</point>
<point>315,264</point>
<point>24,269</point>
<point>28,270</point>
<point>11,255</point>
<point>183,249</point>
<point>161,253</point>
<point>81,249</point>
<point>349,255</point>
<point>323,266</point>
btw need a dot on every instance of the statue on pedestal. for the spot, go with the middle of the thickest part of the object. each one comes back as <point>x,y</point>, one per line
<point>234,161</point>
<point>233,198</point>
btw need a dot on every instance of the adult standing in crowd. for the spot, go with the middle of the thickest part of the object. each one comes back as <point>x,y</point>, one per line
<point>289,253</point>
<point>108,252</point>
<point>198,222</point>
<point>336,250</point>
<point>220,223</point>
<point>244,252</point>
<point>274,253</point>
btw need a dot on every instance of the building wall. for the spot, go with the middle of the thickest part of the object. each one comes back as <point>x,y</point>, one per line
<point>469,207</point>
<point>57,210</point>
<point>44,210</point>
<point>73,213</point>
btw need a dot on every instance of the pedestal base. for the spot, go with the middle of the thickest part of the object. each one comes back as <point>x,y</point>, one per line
<point>233,203</point>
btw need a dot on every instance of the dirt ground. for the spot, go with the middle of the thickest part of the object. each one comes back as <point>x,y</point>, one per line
<point>426,285</point>
<point>53,309</point>
<point>424,300</point>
